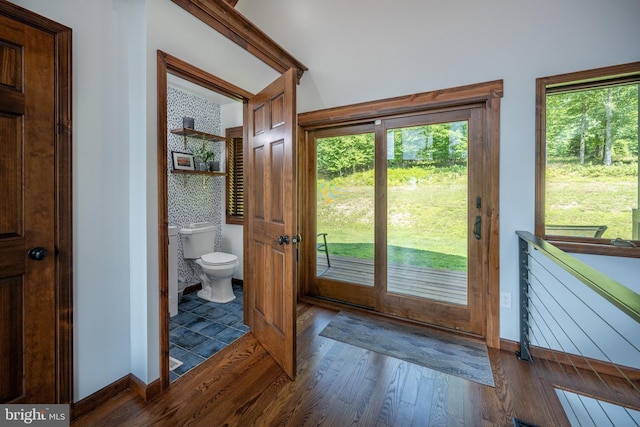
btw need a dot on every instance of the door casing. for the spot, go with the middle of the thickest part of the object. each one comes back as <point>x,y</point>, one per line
<point>170,64</point>
<point>63,250</point>
<point>487,96</point>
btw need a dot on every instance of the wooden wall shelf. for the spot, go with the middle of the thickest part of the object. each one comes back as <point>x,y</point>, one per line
<point>198,134</point>
<point>188,172</point>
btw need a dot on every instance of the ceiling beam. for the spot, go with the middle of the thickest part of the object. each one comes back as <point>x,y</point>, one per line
<point>222,17</point>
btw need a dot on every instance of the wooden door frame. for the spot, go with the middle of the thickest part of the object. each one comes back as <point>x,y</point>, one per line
<point>63,194</point>
<point>487,94</point>
<point>168,64</point>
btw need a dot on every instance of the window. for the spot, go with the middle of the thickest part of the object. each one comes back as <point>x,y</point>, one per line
<point>235,181</point>
<point>587,193</point>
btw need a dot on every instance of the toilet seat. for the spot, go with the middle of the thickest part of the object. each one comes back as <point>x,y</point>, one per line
<point>219,259</point>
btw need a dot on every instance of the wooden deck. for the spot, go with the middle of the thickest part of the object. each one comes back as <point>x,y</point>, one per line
<point>430,283</point>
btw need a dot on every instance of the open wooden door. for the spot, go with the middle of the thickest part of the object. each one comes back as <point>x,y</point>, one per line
<point>271,215</point>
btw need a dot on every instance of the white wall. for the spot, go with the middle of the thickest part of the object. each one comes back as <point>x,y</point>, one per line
<point>232,235</point>
<point>356,51</point>
<point>362,50</point>
<point>101,263</point>
<point>196,43</point>
<point>114,199</point>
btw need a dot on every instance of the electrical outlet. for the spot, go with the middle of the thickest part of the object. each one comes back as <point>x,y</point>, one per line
<point>505,299</point>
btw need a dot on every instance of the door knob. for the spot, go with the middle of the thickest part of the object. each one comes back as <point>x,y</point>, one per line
<point>283,240</point>
<point>38,253</point>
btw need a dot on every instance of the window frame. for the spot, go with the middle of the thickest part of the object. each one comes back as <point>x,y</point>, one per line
<point>594,78</point>
<point>234,189</point>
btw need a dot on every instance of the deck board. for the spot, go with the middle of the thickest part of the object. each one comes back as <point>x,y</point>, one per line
<point>440,285</point>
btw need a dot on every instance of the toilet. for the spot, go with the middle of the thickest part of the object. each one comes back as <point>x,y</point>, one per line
<point>214,269</point>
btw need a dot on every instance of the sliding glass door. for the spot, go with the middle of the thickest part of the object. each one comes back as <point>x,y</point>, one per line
<point>432,220</point>
<point>345,214</point>
<point>426,221</point>
<point>398,217</point>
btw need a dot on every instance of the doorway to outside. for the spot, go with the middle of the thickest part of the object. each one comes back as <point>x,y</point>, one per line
<point>404,210</point>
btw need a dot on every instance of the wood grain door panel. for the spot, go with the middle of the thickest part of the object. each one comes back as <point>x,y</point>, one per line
<point>27,214</point>
<point>271,213</point>
<point>11,167</point>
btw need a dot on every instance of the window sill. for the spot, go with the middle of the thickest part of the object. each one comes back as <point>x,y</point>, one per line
<point>601,247</point>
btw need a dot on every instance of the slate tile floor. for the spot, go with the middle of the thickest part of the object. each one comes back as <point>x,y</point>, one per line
<point>202,328</point>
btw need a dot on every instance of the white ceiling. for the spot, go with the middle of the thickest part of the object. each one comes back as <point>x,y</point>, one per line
<point>364,50</point>
<point>198,90</point>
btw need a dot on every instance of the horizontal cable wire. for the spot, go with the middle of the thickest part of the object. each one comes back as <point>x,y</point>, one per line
<point>548,345</point>
<point>562,347</point>
<point>588,336</point>
<point>583,302</point>
<point>545,318</point>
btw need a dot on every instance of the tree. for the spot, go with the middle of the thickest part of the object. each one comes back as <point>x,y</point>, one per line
<point>594,124</point>
<point>340,155</point>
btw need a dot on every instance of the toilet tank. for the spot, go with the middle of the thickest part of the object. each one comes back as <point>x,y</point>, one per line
<point>198,239</point>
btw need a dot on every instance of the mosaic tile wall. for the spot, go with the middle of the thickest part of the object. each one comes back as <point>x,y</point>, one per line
<point>189,199</point>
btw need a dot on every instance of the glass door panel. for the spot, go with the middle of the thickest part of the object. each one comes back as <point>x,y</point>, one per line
<point>427,211</point>
<point>397,217</point>
<point>345,198</point>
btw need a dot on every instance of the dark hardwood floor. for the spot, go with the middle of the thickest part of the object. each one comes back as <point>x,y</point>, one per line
<point>340,385</point>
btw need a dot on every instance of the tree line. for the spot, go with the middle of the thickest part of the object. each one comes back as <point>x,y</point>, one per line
<point>594,126</point>
<point>439,145</point>
<point>597,126</point>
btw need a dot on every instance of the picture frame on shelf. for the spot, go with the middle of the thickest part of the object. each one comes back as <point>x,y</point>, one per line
<point>182,161</point>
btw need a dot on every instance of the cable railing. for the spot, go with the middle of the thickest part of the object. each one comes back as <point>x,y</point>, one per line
<point>576,317</point>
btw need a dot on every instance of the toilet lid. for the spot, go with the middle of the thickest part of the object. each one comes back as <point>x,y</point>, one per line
<point>218,258</point>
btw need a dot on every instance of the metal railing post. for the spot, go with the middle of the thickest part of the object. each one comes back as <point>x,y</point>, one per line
<point>524,353</point>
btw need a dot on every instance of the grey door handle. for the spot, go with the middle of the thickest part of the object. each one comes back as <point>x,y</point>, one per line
<point>37,254</point>
<point>477,227</point>
<point>283,240</point>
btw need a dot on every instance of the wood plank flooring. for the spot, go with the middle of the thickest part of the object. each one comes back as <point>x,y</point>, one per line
<point>439,285</point>
<point>339,385</point>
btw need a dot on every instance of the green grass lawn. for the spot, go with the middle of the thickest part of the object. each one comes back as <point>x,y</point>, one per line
<point>402,255</point>
<point>427,213</point>
<point>426,217</point>
<point>592,195</point>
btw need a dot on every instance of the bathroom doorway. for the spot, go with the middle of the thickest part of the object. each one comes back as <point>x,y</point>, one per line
<point>193,329</point>
<point>198,328</point>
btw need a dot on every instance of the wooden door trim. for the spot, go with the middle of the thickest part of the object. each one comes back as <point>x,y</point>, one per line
<point>168,64</point>
<point>222,17</point>
<point>487,95</point>
<point>63,190</point>
<point>445,98</point>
